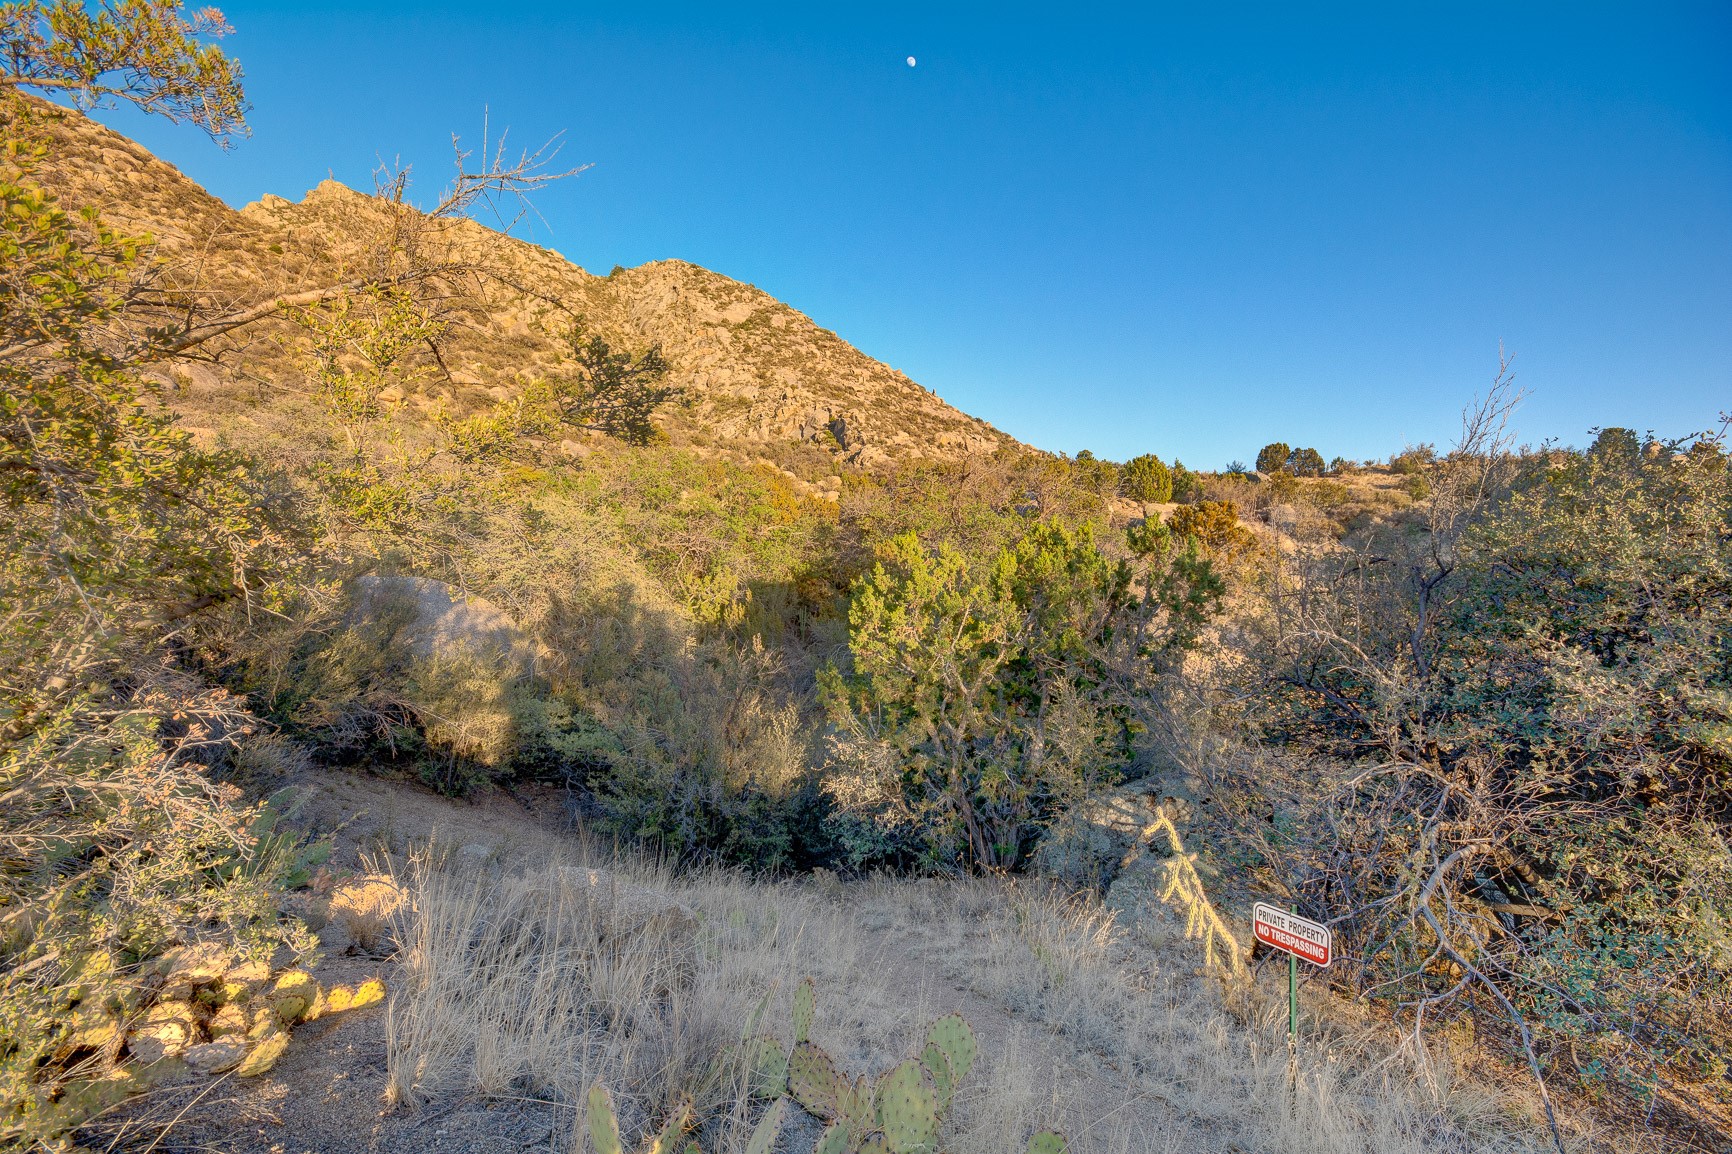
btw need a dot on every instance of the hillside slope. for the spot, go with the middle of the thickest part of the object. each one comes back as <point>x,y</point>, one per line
<point>755,372</point>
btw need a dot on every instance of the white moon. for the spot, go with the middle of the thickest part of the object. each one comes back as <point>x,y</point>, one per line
<point>911,62</point>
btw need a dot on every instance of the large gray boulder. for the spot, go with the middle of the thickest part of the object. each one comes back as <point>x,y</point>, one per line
<point>435,621</point>
<point>1088,845</point>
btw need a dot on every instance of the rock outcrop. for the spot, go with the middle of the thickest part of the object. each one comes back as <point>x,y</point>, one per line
<point>432,621</point>
<point>1086,848</point>
<point>754,371</point>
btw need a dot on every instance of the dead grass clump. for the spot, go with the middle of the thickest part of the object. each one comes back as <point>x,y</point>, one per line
<point>363,908</point>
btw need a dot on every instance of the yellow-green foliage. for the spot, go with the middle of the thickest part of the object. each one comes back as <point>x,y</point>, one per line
<point>715,534</point>
<point>990,694</point>
<point>116,534</point>
<point>976,508</point>
<point>1216,527</point>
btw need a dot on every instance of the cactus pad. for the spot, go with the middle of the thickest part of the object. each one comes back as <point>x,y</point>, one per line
<point>805,1002</point>
<point>836,1140</point>
<point>769,1067</point>
<point>1048,1142</point>
<point>938,1067</point>
<point>908,1110</point>
<point>814,1082</point>
<point>769,1129</point>
<point>669,1139</point>
<point>854,1102</point>
<point>955,1037</point>
<point>603,1123</point>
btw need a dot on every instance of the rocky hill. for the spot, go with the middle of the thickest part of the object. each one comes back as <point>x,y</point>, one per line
<point>755,372</point>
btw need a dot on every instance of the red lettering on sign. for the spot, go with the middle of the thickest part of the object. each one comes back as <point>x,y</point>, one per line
<point>1298,936</point>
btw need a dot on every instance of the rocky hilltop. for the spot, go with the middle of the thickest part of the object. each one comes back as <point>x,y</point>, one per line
<point>755,372</point>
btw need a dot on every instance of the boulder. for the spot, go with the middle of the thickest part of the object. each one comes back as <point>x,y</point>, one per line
<point>474,854</point>
<point>1085,848</point>
<point>433,620</point>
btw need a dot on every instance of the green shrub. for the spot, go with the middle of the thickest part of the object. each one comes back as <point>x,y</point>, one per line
<point>982,696</point>
<point>1093,474</point>
<point>1273,457</point>
<point>1215,526</point>
<point>1413,460</point>
<point>118,844</point>
<point>1186,486</point>
<point>1146,479</point>
<point>1533,710</point>
<point>976,507</point>
<point>1306,463</point>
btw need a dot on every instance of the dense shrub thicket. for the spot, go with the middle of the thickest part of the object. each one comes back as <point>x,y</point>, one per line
<point>1279,457</point>
<point>981,698</point>
<point>1146,478</point>
<point>1529,702</point>
<point>118,538</point>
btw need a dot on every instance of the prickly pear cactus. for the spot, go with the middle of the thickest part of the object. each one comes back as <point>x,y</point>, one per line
<point>897,1114</point>
<point>1048,1142</point>
<point>769,1077</point>
<point>955,1037</point>
<point>856,1102</point>
<point>938,1068</point>
<point>769,1129</point>
<point>908,1110</point>
<point>814,1081</point>
<point>603,1122</point>
<point>669,1139</point>
<point>604,1125</point>
<point>838,1139</point>
<point>805,1002</point>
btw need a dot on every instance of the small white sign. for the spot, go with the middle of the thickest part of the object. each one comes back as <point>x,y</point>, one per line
<point>1299,936</point>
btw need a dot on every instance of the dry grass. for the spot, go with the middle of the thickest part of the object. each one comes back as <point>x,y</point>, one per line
<point>364,909</point>
<point>1208,1071</point>
<point>533,984</point>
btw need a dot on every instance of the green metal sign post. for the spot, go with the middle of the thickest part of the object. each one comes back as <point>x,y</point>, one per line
<point>1293,1006</point>
<point>1298,938</point>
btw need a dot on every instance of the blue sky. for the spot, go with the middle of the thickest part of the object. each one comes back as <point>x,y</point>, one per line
<point>1189,230</point>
